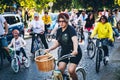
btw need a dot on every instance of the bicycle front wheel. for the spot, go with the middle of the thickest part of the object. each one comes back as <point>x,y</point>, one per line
<point>81,74</point>
<point>91,50</point>
<point>98,59</point>
<point>15,65</point>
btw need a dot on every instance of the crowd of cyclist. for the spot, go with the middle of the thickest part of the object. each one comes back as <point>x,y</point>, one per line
<point>104,26</point>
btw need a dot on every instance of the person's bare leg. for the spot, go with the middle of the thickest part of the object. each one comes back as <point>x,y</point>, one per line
<point>7,49</point>
<point>62,67</point>
<point>71,70</point>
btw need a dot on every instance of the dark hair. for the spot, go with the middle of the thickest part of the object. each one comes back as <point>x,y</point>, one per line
<point>103,16</point>
<point>64,16</point>
<point>89,14</point>
<point>45,12</point>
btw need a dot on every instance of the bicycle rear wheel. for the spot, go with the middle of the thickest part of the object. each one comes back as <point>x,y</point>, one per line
<point>98,59</point>
<point>81,73</point>
<point>91,50</point>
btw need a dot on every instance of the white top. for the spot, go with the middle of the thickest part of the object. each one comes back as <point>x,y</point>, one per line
<point>82,18</point>
<point>117,16</point>
<point>17,43</point>
<point>38,26</point>
<point>2,20</point>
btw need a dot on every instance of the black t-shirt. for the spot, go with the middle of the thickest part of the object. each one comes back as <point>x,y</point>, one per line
<point>65,39</point>
<point>89,23</point>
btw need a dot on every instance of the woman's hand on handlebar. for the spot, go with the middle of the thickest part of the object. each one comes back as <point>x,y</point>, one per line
<point>74,53</point>
<point>47,51</point>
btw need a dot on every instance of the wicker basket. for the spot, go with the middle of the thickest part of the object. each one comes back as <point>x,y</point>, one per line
<point>45,63</point>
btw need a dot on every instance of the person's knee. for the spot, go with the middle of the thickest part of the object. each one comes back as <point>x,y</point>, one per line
<point>6,48</point>
<point>71,71</point>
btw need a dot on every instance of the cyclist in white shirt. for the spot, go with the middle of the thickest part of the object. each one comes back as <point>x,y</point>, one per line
<point>37,25</point>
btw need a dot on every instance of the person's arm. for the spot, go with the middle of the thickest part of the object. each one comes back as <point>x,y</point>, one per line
<point>23,42</point>
<point>11,44</point>
<point>6,27</point>
<point>54,29</point>
<point>75,45</point>
<point>94,31</point>
<point>3,21</point>
<point>84,26</point>
<point>30,26</point>
<point>42,25</point>
<point>55,45</point>
<point>110,33</point>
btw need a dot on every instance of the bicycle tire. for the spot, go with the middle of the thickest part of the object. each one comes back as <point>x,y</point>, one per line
<point>81,73</point>
<point>91,48</point>
<point>15,65</point>
<point>1,60</point>
<point>98,59</point>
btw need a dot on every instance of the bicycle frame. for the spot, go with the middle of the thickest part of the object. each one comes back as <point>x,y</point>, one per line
<point>58,75</point>
<point>100,56</point>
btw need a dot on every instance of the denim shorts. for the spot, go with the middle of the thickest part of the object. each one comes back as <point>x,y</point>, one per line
<point>4,42</point>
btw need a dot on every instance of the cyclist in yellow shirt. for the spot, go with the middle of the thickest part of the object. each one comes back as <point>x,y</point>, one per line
<point>104,31</point>
<point>47,21</point>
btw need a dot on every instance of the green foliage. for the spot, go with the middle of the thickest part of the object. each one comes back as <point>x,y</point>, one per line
<point>37,4</point>
<point>62,4</point>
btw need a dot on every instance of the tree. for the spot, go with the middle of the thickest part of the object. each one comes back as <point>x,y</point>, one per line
<point>97,4</point>
<point>37,4</point>
<point>62,4</point>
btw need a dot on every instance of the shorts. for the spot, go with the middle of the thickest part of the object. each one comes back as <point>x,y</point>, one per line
<point>74,60</point>
<point>3,42</point>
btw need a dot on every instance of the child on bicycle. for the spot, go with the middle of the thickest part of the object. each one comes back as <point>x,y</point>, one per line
<point>18,43</point>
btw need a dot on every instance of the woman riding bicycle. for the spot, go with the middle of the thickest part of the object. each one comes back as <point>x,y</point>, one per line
<point>88,27</point>
<point>104,31</point>
<point>66,38</point>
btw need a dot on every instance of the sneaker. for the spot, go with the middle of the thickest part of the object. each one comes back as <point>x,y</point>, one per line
<point>107,58</point>
<point>85,50</point>
<point>25,59</point>
<point>118,37</point>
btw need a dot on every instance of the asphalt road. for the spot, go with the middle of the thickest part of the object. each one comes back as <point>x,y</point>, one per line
<point>32,72</point>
